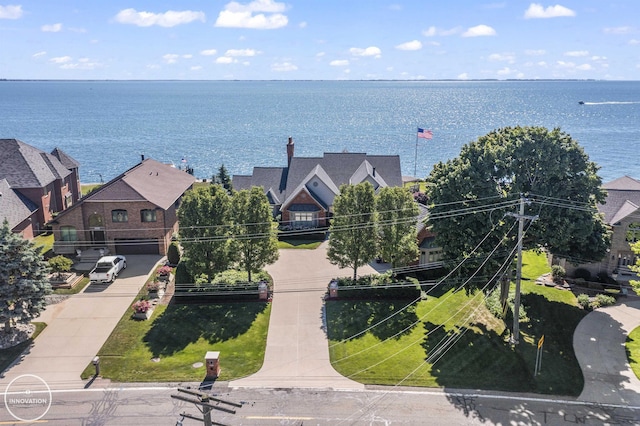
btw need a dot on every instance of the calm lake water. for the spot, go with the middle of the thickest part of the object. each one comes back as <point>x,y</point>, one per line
<point>107,125</point>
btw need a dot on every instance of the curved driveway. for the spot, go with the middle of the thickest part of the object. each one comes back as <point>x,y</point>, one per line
<point>599,344</point>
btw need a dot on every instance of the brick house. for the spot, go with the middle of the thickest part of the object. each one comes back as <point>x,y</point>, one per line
<point>621,212</point>
<point>134,213</point>
<point>35,185</point>
<point>302,193</point>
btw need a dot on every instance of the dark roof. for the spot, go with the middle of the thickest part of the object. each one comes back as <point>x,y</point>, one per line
<point>14,206</point>
<point>340,167</point>
<point>65,159</point>
<point>24,166</point>
<point>623,199</point>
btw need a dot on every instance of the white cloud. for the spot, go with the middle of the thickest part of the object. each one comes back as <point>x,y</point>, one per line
<point>505,71</point>
<point>53,28</point>
<point>369,51</point>
<point>284,67</point>
<point>532,52</point>
<point>563,64</point>
<point>236,15</point>
<point>302,24</point>
<point>187,56</point>
<point>168,19</point>
<point>320,54</point>
<point>433,31</point>
<point>61,59</point>
<point>38,54</point>
<point>584,67</point>
<point>11,12</point>
<point>633,42</point>
<point>463,76</point>
<point>339,63</point>
<point>536,10</point>
<point>479,31</point>
<point>410,45</point>
<point>241,52</point>
<point>619,30</point>
<point>577,53</point>
<point>170,58</point>
<point>208,52</point>
<point>196,68</point>
<point>225,60</point>
<point>503,57</point>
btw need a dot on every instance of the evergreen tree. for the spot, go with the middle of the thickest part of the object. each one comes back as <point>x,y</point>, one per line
<point>24,279</point>
<point>352,241</point>
<point>397,212</point>
<point>254,234</point>
<point>223,178</point>
<point>205,230</point>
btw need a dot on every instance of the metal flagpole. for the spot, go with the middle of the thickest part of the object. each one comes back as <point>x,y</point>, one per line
<point>415,161</point>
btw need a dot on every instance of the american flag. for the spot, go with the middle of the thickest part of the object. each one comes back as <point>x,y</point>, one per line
<point>425,134</point>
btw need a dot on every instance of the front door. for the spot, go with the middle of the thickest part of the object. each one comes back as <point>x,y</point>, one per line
<point>97,236</point>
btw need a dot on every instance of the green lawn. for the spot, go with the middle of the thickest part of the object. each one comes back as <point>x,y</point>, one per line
<point>179,336</point>
<point>299,244</point>
<point>7,356</point>
<point>632,346</point>
<point>405,349</point>
<point>76,289</point>
<point>44,242</point>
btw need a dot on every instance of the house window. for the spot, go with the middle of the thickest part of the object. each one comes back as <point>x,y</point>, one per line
<point>68,233</point>
<point>68,201</point>
<point>148,215</point>
<point>633,232</point>
<point>119,216</point>
<point>304,219</point>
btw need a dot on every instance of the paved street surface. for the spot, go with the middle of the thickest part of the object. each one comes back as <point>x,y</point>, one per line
<point>297,353</point>
<point>78,327</point>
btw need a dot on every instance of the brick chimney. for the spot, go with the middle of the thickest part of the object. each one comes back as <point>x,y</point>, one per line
<point>290,148</point>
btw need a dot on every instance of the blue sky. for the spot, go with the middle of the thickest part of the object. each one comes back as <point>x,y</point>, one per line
<point>319,39</point>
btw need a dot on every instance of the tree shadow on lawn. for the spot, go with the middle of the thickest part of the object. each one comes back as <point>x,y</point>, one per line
<point>347,318</point>
<point>180,325</point>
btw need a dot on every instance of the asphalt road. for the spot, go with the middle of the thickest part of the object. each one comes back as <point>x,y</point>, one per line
<point>154,406</point>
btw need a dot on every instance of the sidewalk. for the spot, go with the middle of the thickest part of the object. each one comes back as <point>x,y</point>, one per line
<point>599,344</point>
<point>78,327</point>
<point>297,353</point>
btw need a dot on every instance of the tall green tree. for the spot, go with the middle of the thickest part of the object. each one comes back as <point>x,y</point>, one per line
<point>254,233</point>
<point>205,231</point>
<point>223,178</point>
<point>397,212</point>
<point>635,284</point>
<point>24,281</point>
<point>352,241</point>
<point>548,167</point>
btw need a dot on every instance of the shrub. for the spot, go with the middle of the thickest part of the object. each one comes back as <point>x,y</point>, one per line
<point>154,286</point>
<point>603,277</point>
<point>582,273</point>
<point>60,264</point>
<point>583,300</point>
<point>182,274</point>
<point>558,273</point>
<point>164,270</point>
<point>141,306</point>
<point>173,254</point>
<point>605,300</point>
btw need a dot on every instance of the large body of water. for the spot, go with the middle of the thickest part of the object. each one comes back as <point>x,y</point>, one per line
<point>107,125</point>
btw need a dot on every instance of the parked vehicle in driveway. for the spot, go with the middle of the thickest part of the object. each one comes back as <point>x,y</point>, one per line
<point>107,269</point>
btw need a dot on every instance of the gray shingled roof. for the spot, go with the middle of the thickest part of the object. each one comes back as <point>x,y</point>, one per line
<point>64,158</point>
<point>24,166</point>
<point>622,194</point>
<point>14,206</point>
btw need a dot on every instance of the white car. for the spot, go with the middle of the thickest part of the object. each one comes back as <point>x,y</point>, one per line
<point>107,269</point>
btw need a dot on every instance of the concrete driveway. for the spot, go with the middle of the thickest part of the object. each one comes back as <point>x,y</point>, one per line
<point>297,353</point>
<point>599,344</point>
<point>78,327</point>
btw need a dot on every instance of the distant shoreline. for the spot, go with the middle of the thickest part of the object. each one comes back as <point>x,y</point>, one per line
<point>320,80</point>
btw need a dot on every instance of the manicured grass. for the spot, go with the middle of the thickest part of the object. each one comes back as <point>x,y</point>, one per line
<point>86,188</point>
<point>632,346</point>
<point>299,244</point>
<point>481,358</point>
<point>179,336</point>
<point>44,242</point>
<point>7,356</point>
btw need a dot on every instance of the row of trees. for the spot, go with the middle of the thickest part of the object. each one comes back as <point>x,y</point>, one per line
<point>366,225</point>
<point>220,229</point>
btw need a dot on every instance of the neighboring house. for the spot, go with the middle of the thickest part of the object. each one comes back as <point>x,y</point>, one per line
<point>36,185</point>
<point>430,252</point>
<point>622,214</point>
<point>132,214</point>
<point>302,193</point>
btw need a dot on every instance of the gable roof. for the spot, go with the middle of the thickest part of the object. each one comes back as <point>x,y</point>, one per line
<point>24,166</point>
<point>623,199</point>
<point>64,158</point>
<point>14,206</point>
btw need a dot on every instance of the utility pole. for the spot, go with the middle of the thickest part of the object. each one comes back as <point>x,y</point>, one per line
<point>205,405</point>
<point>515,335</point>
